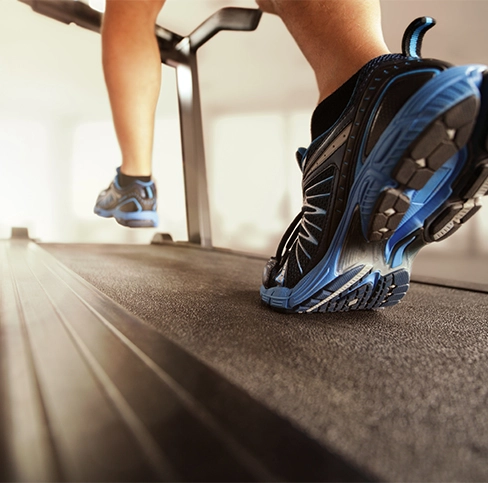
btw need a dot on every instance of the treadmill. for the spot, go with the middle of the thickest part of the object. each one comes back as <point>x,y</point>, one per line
<point>159,362</point>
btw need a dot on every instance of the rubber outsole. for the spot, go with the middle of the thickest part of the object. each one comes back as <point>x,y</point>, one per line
<point>139,219</point>
<point>439,142</point>
<point>447,161</point>
<point>137,223</point>
<point>371,291</point>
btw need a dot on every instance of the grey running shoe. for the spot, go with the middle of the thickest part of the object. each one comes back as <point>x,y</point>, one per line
<point>133,206</point>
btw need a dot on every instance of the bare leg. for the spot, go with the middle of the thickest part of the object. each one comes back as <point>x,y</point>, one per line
<point>337,37</point>
<point>132,68</point>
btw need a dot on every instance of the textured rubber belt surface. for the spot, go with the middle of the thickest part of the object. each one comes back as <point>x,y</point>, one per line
<point>90,393</point>
<point>402,392</point>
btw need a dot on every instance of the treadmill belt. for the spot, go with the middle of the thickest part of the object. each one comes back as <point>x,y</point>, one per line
<point>401,393</point>
<point>88,392</point>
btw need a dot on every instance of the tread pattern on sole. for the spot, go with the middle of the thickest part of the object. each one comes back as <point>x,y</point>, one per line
<point>136,223</point>
<point>372,291</point>
<point>442,139</point>
<point>451,217</point>
<point>388,212</point>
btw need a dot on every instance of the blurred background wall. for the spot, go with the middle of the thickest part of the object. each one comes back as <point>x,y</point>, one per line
<point>58,148</point>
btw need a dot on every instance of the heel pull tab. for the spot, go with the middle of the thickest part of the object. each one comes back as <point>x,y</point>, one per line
<point>414,34</point>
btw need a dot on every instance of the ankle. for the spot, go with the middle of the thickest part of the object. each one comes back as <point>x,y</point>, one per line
<point>125,180</point>
<point>333,105</point>
<point>329,83</point>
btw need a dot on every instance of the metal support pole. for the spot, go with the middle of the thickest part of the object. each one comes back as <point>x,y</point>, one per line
<point>181,53</point>
<point>193,149</point>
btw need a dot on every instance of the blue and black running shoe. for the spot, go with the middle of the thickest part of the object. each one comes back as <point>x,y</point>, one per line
<point>406,164</point>
<point>133,206</point>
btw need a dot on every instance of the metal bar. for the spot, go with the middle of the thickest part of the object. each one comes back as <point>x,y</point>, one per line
<point>229,18</point>
<point>192,144</point>
<point>82,15</point>
<point>68,12</point>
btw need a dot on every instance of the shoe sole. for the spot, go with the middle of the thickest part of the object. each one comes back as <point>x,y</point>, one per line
<point>422,182</point>
<point>138,219</point>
